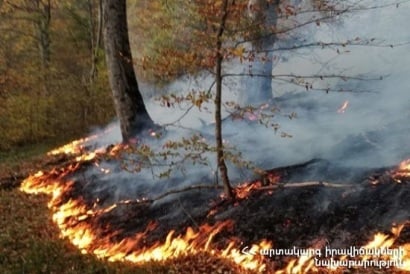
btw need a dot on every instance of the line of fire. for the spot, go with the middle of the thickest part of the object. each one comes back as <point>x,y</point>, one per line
<point>275,227</point>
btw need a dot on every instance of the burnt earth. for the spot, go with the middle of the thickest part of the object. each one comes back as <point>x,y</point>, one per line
<point>304,216</point>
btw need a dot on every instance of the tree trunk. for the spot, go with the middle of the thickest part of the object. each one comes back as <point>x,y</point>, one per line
<point>95,33</point>
<point>218,119</point>
<point>257,88</point>
<point>43,29</point>
<point>128,101</point>
<point>95,36</point>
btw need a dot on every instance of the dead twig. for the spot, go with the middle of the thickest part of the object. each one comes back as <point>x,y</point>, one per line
<point>306,184</point>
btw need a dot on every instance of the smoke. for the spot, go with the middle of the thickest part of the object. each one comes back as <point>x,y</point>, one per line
<point>372,132</point>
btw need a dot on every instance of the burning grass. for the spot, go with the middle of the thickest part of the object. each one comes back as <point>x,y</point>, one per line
<point>317,215</point>
<point>30,242</point>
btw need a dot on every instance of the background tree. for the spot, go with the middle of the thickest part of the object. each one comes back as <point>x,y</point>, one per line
<point>218,100</point>
<point>52,103</point>
<point>128,101</point>
<point>264,15</point>
<point>222,33</point>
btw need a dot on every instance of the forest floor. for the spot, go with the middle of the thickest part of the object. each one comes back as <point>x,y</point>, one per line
<point>30,243</point>
<point>29,240</point>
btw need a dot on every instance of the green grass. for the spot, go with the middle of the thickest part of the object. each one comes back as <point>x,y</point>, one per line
<point>16,155</point>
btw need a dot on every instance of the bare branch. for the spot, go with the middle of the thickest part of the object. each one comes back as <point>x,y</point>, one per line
<point>335,12</point>
<point>305,184</point>
<point>300,77</point>
<point>333,44</point>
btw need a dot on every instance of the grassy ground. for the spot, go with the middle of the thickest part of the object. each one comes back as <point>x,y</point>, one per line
<point>29,242</point>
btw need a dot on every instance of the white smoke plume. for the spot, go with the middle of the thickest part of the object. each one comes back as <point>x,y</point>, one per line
<point>373,131</point>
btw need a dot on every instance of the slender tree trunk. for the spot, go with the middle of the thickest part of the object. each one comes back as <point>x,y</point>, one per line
<point>257,90</point>
<point>42,23</point>
<point>43,28</point>
<point>128,101</point>
<point>95,32</point>
<point>95,36</point>
<point>218,97</point>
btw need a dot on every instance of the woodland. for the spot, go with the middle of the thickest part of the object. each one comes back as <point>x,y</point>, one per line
<point>207,134</point>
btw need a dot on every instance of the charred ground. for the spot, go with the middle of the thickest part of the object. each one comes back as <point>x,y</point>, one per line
<point>313,204</point>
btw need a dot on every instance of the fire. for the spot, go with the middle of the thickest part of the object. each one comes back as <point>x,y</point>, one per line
<point>243,191</point>
<point>382,241</point>
<point>75,147</point>
<point>402,171</point>
<point>189,243</point>
<point>73,216</point>
<point>384,249</point>
<point>303,264</point>
<point>74,219</point>
<point>343,107</point>
<point>102,169</point>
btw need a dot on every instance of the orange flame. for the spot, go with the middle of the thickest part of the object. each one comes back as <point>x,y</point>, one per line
<point>402,171</point>
<point>303,264</point>
<point>73,216</point>
<point>343,107</point>
<point>243,191</point>
<point>383,241</point>
<point>390,252</point>
<point>75,147</point>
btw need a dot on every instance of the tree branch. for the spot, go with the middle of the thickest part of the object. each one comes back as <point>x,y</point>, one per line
<point>305,184</point>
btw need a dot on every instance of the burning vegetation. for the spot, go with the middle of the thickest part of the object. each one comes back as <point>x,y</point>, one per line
<point>275,226</point>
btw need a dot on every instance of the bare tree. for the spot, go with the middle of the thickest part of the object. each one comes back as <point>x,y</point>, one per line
<point>218,97</point>
<point>128,100</point>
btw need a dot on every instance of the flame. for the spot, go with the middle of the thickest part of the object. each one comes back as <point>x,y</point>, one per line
<point>117,149</point>
<point>73,216</point>
<point>189,243</point>
<point>74,219</point>
<point>303,264</point>
<point>405,167</point>
<point>244,190</point>
<point>102,169</point>
<point>343,107</point>
<point>402,171</point>
<point>383,241</point>
<point>75,147</point>
<point>398,255</point>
